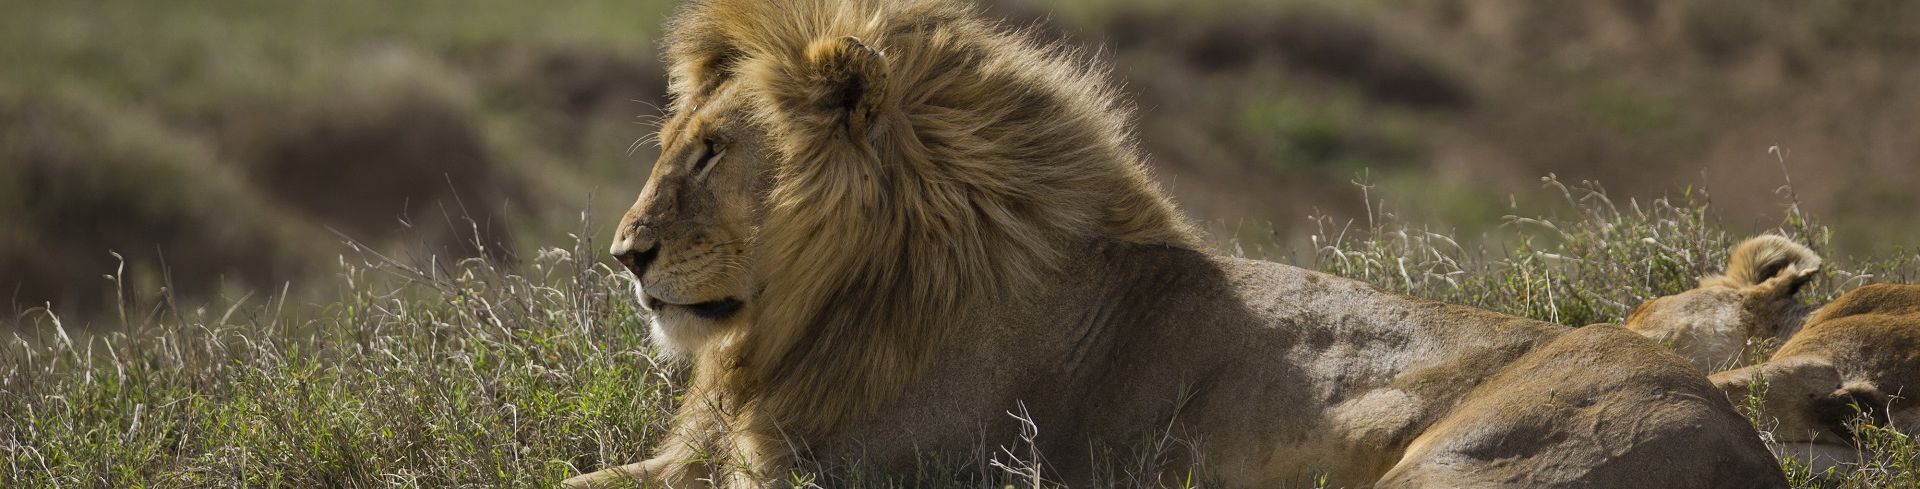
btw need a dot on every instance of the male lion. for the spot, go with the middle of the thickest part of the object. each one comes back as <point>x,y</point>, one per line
<point>1858,354</point>
<point>877,227</point>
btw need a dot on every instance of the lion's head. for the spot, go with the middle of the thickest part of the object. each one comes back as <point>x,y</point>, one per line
<point>1805,398</point>
<point>1754,300</point>
<point>687,239</point>
<point>833,195</point>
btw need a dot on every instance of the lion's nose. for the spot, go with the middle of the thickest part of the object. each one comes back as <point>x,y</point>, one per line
<point>637,250</point>
<point>637,261</point>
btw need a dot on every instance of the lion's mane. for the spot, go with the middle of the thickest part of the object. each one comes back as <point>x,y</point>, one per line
<point>928,162</point>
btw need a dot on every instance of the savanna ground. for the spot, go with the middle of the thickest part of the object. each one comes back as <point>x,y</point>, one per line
<point>465,372</point>
<point>359,243</point>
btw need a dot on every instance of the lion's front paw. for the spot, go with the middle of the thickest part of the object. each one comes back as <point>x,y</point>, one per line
<point>630,475</point>
<point>651,473</point>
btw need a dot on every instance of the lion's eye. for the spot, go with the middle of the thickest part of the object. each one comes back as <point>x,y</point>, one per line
<point>707,154</point>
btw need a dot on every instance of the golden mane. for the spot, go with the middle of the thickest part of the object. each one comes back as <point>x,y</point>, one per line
<point>927,162</point>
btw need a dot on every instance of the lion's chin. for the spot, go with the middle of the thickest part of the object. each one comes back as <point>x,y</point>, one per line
<point>678,333</point>
<point>676,330</point>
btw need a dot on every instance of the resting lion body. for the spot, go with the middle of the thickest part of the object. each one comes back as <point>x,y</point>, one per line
<point>1856,359</point>
<point>1858,354</point>
<point>1280,375</point>
<point>879,230</point>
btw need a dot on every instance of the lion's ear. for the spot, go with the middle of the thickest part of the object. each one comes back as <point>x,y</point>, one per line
<point>841,83</point>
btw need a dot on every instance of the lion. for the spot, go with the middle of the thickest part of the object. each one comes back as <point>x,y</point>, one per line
<point>879,227</point>
<point>1859,354</point>
<point>1713,324</point>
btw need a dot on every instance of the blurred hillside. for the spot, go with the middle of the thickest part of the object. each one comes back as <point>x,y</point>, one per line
<point>1263,110</point>
<point>226,146</point>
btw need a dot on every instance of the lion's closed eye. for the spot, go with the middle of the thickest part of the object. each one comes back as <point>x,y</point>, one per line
<point>709,152</point>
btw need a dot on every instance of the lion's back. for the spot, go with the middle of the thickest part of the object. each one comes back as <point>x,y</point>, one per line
<point>1870,332</point>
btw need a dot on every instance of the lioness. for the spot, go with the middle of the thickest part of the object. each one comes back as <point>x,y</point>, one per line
<point>878,227</point>
<point>1753,300</point>
<point>1858,354</point>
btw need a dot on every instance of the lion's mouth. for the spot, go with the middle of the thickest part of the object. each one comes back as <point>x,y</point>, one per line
<point>714,310</point>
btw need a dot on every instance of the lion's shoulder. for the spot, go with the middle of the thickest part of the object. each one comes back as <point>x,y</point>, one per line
<point>1876,299</point>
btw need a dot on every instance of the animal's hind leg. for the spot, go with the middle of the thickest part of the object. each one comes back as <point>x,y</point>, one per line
<point>1596,407</point>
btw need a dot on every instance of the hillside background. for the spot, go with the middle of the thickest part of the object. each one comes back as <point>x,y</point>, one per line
<point>226,147</point>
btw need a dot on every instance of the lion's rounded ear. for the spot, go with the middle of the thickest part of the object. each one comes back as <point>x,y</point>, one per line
<point>844,81</point>
<point>1784,284</point>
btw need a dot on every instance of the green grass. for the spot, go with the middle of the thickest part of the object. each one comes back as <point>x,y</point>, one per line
<point>460,374</point>
<point>443,372</point>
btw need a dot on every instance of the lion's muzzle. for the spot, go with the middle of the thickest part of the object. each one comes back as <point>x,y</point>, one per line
<point>637,249</point>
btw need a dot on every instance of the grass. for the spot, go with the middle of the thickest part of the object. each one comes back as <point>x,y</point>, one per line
<point>430,371</point>
<point>433,374</point>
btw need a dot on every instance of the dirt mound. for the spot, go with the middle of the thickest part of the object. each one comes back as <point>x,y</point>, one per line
<point>396,152</point>
<point>80,179</point>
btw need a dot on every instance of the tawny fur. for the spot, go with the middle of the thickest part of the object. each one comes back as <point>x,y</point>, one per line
<point>989,209</point>
<point>1862,348</point>
<point>945,222</point>
<point>1753,301</point>
<point>1857,354</point>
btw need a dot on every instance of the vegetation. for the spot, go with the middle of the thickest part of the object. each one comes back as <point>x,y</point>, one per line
<point>472,335</point>
<point>379,120</point>
<point>465,372</point>
<point>229,141</point>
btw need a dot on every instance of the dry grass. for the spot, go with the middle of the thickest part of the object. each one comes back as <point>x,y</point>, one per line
<point>436,373</point>
<point>431,371</point>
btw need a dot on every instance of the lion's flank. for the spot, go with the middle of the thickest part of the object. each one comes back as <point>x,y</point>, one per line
<point>928,162</point>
